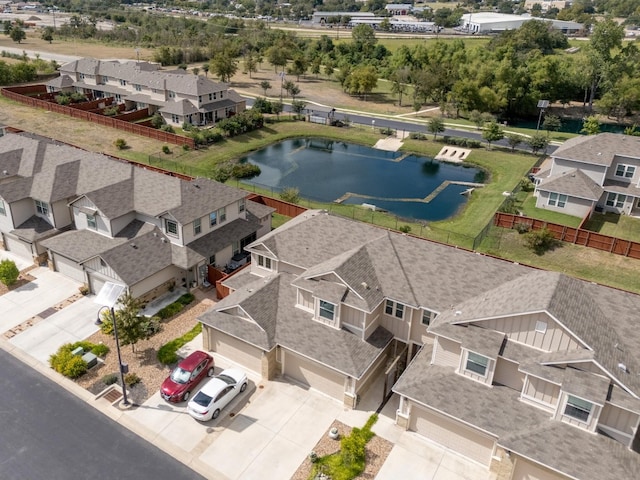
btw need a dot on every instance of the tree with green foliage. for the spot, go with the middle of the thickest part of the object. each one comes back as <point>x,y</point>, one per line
<point>540,241</point>
<point>47,34</point>
<point>436,126</point>
<point>277,107</point>
<point>250,64</point>
<point>602,64</point>
<point>551,123</point>
<point>224,66</point>
<point>514,139</point>
<point>290,194</point>
<point>492,133</point>
<point>475,117</point>
<point>399,82</point>
<point>131,326</point>
<point>362,80</point>
<point>17,34</point>
<point>591,125</point>
<point>265,85</point>
<point>298,106</point>
<point>277,56</point>
<point>205,69</point>
<point>9,273</point>
<point>537,142</point>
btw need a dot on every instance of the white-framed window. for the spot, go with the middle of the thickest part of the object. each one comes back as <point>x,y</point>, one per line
<point>3,210</point>
<point>123,83</point>
<point>616,200</point>
<point>235,246</point>
<point>394,308</point>
<point>175,118</point>
<point>541,327</point>
<point>137,87</point>
<point>427,317</point>
<point>222,214</point>
<point>212,260</point>
<point>264,262</point>
<point>171,227</point>
<point>557,200</point>
<point>241,205</point>
<point>625,171</point>
<point>172,94</point>
<point>477,364</point>
<point>42,208</point>
<point>91,222</point>
<point>213,219</point>
<point>197,227</point>
<point>326,310</point>
<point>578,408</point>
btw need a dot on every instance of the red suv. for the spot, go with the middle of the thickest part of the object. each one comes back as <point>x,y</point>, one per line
<point>186,376</point>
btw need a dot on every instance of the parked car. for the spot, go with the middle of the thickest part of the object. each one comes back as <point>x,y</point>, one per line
<point>178,386</point>
<point>216,394</point>
<point>238,260</point>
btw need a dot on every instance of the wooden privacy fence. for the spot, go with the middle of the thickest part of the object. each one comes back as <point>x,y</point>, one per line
<point>20,94</point>
<point>577,236</point>
<point>282,207</point>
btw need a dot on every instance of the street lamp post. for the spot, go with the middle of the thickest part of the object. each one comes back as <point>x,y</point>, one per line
<point>542,105</point>
<point>108,296</point>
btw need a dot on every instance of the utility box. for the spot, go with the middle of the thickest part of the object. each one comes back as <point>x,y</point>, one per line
<point>90,359</point>
<point>78,351</point>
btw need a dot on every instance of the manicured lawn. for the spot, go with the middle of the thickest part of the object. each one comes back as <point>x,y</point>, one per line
<point>620,226</point>
<point>528,207</point>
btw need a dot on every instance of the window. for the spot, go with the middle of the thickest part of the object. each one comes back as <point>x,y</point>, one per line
<point>395,309</point>
<point>235,246</point>
<point>557,200</point>
<point>171,227</point>
<point>123,83</point>
<point>197,228</point>
<point>541,327</point>
<point>137,88</point>
<point>91,222</point>
<point>213,218</point>
<point>105,79</point>
<point>172,94</point>
<point>327,310</point>
<point>212,260</point>
<point>625,171</point>
<point>477,363</point>
<point>222,214</point>
<point>241,205</point>
<point>427,316</point>
<point>578,408</point>
<point>42,208</point>
<point>3,211</point>
<point>199,98</point>
<point>264,262</point>
<point>175,118</point>
<point>616,200</point>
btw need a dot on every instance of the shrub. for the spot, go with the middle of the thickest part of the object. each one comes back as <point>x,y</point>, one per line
<point>509,206</point>
<point>222,174</point>
<point>111,111</point>
<point>167,128</point>
<point>540,241</point>
<point>151,325</point>
<point>386,131</point>
<point>157,121</point>
<point>522,227</point>
<point>67,364</point>
<point>245,170</point>
<point>110,379</point>
<point>131,379</point>
<point>186,299</point>
<point>170,310</point>
<point>84,289</point>
<point>186,147</point>
<point>120,143</point>
<point>417,136</point>
<point>526,185</point>
<point>9,273</point>
<point>166,149</point>
<point>100,350</point>
<point>405,228</point>
<point>167,353</point>
<point>291,195</point>
<point>107,325</point>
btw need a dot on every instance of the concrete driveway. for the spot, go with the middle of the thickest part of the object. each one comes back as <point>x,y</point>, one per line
<point>47,290</point>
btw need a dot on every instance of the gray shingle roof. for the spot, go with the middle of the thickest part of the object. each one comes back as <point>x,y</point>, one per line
<point>35,228</point>
<point>599,149</point>
<point>222,237</point>
<point>574,183</point>
<point>626,188</point>
<point>258,210</point>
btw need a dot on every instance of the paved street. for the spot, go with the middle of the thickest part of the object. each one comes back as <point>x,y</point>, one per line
<point>47,433</point>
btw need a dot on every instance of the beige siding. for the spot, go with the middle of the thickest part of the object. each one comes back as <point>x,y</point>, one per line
<point>418,332</point>
<point>524,470</point>
<point>351,317</point>
<point>595,172</point>
<point>398,326</point>
<point>487,378</point>
<point>22,210</point>
<point>372,321</point>
<point>314,375</point>
<point>507,374</point>
<point>618,419</point>
<point>94,265</point>
<point>61,214</point>
<point>522,329</point>
<point>451,434</point>
<point>6,220</point>
<point>119,223</point>
<point>541,392</point>
<point>591,422</point>
<point>305,299</point>
<point>237,351</point>
<point>447,352</point>
<point>69,268</point>
<point>18,247</point>
<point>155,280</point>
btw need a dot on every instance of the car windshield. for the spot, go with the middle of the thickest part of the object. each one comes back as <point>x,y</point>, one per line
<point>180,375</point>
<point>227,379</point>
<point>202,399</point>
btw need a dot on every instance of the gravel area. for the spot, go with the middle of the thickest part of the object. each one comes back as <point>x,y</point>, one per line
<point>143,362</point>
<point>377,451</point>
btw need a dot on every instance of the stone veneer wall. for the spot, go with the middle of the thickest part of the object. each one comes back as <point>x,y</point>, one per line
<point>502,465</point>
<point>269,365</point>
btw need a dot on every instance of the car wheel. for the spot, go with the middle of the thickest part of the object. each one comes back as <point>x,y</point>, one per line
<point>216,414</point>
<point>210,372</point>
<point>185,397</point>
<point>243,387</point>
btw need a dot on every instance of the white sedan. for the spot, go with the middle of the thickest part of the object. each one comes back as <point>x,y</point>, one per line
<point>216,394</point>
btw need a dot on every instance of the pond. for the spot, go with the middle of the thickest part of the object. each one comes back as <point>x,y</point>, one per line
<point>408,186</point>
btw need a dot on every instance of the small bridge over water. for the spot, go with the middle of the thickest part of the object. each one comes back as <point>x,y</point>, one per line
<point>426,199</point>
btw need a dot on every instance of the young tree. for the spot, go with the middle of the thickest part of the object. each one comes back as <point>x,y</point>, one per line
<point>131,327</point>
<point>250,64</point>
<point>47,34</point>
<point>298,106</point>
<point>277,107</point>
<point>205,69</point>
<point>17,34</point>
<point>399,80</point>
<point>537,142</point>
<point>9,273</point>
<point>435,126</point>
<point>476,118</point>
<point>362,81</point>
<point>224,66</point>
<point>492,133</point>
<point>551,123</point>
<point>195,71</point>
<point>514,140</point>
<point>591,126</point>
<point>265,85</point>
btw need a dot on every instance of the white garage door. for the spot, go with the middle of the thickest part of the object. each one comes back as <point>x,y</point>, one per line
<point>237,351</point>
<point>19,248</point>
<point>315,376</point>
<point>528,471</point>
<point>68,267</point>
<point>96,283</point>
<point>452,434</point>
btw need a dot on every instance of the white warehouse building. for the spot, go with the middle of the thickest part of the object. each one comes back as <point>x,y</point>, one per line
<point>488,22</point>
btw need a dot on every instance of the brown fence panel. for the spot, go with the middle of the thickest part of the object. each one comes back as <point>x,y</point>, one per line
<point>27,89</point>
<point>133,116</point>
<point>94,104</point>
<point>282,207</point>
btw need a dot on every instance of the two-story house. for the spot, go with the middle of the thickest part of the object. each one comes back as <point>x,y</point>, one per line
<point>530,373</point>
<point>97,219</point>
<point>588,173</point>
<point>177,95</point>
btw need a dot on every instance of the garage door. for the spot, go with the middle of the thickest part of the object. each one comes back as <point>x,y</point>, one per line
<point>68,267</point>
<point>96,283</point>
<point>451,434</point>
<point>19,248</point>
<point>315,376</point>
<point>528,471</point>
<point>237,351</point>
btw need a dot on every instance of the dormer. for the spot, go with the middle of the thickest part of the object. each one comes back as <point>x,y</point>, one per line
<point>582,397</point>
<point>479,351</point>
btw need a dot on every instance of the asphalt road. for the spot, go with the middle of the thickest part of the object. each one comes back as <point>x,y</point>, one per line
<point>47,433</point>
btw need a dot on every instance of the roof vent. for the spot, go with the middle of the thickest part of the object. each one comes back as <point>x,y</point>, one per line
<point>163,240</point>
<point>365,285</point>
<point>134,245</point>
<point>458,313</point>
<point>4,172</point>
<point>623,367</point>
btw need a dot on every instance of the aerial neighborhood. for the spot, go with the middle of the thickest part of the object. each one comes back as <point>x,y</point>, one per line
<point>167,255</point>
